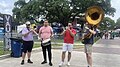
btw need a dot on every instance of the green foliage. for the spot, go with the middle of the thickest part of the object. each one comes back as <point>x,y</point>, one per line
<point>118,23</point>
<point>57,10</point>
<point>107,24</point>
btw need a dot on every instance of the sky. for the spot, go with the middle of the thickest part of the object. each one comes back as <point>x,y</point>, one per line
<point>6,7</point>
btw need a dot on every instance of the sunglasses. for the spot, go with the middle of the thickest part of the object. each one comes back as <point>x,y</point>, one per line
<point>28,24</point>
<point>69,25</point>
<point>45,22</point>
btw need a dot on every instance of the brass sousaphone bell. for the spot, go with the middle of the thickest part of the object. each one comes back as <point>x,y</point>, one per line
<point>94,15</point>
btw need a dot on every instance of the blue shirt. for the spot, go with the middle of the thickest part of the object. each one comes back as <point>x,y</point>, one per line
<point>89,40</point>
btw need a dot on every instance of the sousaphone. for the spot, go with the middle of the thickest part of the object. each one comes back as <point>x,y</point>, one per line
<point>94,15</point>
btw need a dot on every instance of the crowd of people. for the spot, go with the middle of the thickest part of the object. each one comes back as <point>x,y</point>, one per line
<point>109,35</point>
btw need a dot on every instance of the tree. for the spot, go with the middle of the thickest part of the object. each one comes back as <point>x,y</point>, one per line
<point>118,23</point>
<point>107,24</point>
<point>17,11</point>
<point>61,11</point>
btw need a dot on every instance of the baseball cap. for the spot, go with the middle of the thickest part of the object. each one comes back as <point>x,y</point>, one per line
<point>27,22</point>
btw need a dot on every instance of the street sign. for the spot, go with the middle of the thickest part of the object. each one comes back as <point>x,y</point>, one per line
<point>7,27</point>
<point>7,23</point>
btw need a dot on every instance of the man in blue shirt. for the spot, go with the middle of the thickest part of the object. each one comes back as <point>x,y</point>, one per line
<point>89,41</point>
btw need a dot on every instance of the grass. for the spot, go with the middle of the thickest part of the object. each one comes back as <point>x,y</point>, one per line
<point>36,45</point>
<point>59,40</point>
<point>96,39</point>
<point>2,51</point>
<point>54,45</point>
<point>58,43</point>
<point>1,48</point>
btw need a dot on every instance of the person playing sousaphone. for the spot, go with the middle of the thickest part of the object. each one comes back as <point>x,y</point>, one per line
<point>93,16</point>
<point>88,41</point>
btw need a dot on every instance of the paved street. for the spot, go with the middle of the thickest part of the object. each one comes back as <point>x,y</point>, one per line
<point>108,46</point>
<point>106,53</point>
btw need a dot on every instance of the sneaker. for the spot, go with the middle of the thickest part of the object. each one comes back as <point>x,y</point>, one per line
<point>60,64</point>
<point>22,62</point>
<point>29,61</point>
<point>68,64</point>
<point>44,62</point>
<point>50,64</point>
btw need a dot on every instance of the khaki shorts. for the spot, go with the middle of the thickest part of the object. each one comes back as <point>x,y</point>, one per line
<point>88,48</point>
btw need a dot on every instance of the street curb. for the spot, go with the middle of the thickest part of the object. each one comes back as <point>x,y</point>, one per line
<point>8,55</point>
<point>34,50</point>
<point>4,56</point>
<point>62,43</point>
<point>97,41</point>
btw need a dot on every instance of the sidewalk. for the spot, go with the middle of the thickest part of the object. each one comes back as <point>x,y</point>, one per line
<point>104,55</point>
<point>78,60</point>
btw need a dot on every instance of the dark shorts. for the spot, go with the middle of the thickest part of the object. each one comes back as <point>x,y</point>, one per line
<point>27,46</point>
